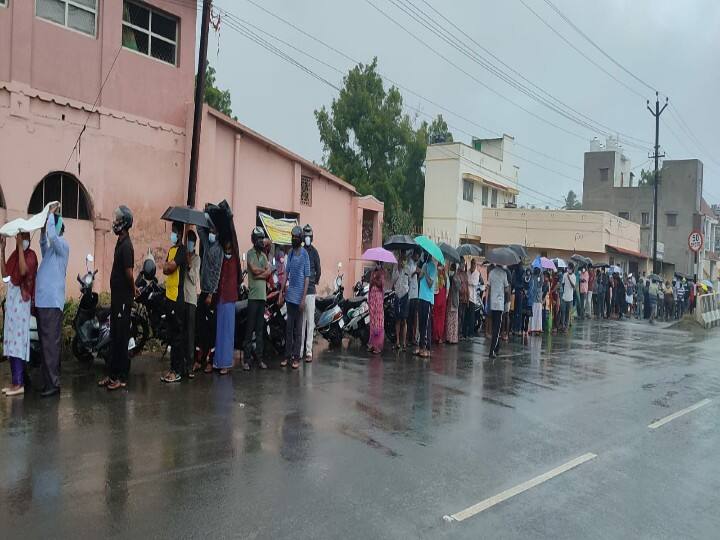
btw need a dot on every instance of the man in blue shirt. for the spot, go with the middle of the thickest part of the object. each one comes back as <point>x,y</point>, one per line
<point>297,278</point>
<point>50,298</point>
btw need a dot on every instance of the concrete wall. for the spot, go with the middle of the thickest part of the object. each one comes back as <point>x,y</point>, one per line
<point>680,192</point>
<point>40,56</point>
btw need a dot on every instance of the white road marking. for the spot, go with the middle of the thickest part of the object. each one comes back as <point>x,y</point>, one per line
<point>508,493</point>
<point>678,414</point>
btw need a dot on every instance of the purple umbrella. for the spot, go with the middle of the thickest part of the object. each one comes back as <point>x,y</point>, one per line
<point>544,263</point>
<point>379,254</point>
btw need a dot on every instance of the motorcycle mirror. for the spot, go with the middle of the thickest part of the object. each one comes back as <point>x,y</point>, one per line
<point>339,265</point>
<point>89,258</point>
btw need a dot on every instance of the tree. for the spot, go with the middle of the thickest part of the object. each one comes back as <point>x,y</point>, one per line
<point>438,131</point>
<point>369,141</point>
<point>216,98</point>
<point>571,201</point>
<point>647,178</point>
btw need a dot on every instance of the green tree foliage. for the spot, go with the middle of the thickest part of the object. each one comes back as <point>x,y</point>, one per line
<point>438,131</point>
<point>369,141</point>
<point>647,178</point>
<point>571,201</point>
<point>216,98</point>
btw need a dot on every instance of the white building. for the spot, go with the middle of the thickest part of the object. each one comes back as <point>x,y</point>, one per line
<point>462,180</point>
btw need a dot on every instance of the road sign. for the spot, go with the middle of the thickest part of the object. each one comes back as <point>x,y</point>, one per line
<point>695,241</point>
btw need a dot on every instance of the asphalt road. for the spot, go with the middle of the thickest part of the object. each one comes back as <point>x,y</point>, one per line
<point>356,447</point>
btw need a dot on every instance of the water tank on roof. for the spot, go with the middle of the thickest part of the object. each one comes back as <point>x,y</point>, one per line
<point>611,143</point>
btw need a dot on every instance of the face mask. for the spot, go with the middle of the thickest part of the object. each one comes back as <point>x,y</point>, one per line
<point>307,240</point>
<point>173,238</point>
<point>117,228</point>
<point>228,256</point>
<point>191,245</point>
<point>25,245</point>
<point>211,238</point>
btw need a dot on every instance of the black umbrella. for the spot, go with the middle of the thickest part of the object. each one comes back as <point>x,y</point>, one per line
<point>503,256</point>
<point>469,250</point>
<point>655,277</point>
<point>581,260</point>
<point>400,242</point>
<point>187,215</point>
<point>449,252</point>
<point>222,218</point>
<point>520,250</point>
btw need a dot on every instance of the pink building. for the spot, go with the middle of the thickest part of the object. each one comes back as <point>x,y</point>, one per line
<point>133,148</point>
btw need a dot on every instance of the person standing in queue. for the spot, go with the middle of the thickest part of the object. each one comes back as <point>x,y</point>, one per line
<point>413,271</point>
<point>50,298</point>
<point>452,317</point>
<point>258,270</point>
<point>376,296</point>
<point>212,259</point>
<point>308,324</point>
<point>474,281</point>
<point>297,280</point>
<point>499,289</point>
<point>227,296</point>
<point>426,295</point>
<point>401,286</point>
<point>21,270</point>
<point>175,268</point>
<point>568,294</point>
<point>122,293</point>
<point>192,278</point>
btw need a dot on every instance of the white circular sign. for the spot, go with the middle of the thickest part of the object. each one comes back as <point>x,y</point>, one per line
<point>695,241</point>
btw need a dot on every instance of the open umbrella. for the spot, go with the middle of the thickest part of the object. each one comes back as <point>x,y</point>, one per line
<point>544,263</point>
<point>559,263</point>
<point>469,250</point>
<point>503,256</point>
<point>449,252</point>
<point>654,277</point>
<point>400,242</point>
<point>520,250</point>
<point>614,269</point>
<point>581,260</point>
<point>379,254</point>
<point>707,283</point>
<point>187,215</point>
<point>431,247</point>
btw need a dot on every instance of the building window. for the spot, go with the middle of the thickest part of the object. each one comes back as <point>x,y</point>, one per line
<point>468,190</point>
<point>671,220</point>
<point>149,32</point>
<point>604,174</point>
<point>493,198</point>
<point>624,215</point>
<point>485,195</point>
<point>645,218</point>
<point>78,15</point>
<point>61,187</point>
<point>306,190</point>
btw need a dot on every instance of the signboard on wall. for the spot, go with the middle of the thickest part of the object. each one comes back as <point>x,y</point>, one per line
<point>278,229</point>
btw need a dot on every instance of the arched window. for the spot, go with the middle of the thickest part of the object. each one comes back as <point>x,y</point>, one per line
<point>63,187</point>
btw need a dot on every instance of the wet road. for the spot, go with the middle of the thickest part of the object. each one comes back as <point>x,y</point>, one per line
<point>351,447</point>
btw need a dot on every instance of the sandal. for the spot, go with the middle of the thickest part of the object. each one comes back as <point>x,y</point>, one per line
<point>284,363</point>
<point>171,377</point>
<point>208,368</point>
<point>224,371</point>
<point>295,364</point>
<point>104,381</point>
<point>115,385</point>
<point>197,368</point>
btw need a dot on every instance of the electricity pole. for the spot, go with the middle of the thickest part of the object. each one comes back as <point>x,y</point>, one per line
<point>656,113</point>
<point>199,100</point>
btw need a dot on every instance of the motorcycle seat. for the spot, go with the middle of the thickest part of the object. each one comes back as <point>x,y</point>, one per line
<point>354,302</point>
<point>240,306</point>
<point>321,304</point>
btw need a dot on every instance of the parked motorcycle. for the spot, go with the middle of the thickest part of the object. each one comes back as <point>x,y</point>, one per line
<point>357,313</point>
<point>331,319</point>
<point>151,304</point>
<point>92,324</point>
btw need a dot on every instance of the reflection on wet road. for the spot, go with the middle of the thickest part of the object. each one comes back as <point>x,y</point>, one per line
<point>361,447</point>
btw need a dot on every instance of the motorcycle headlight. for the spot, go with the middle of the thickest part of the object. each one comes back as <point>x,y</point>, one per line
<point>88,279</point>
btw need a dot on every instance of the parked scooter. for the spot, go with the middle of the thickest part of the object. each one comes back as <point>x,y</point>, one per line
<point>92,324</point>
<point>331,320</point>
<point>357,313</point>
<point>151,304</point>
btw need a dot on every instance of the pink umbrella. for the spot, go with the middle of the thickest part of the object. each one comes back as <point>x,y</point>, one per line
<point>379,254</point>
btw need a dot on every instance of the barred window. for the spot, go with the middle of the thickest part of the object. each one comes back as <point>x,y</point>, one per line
<point>149,32</point>
<point>61,187</point>
<point>306,190</point>
<point>468,190</point>
<point>80,15</point>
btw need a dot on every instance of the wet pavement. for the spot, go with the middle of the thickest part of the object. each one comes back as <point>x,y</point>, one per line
<point>358,447</point>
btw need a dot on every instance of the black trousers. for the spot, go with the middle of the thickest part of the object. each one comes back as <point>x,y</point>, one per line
<point>49,325</point>
<point>190,311</point>
<point>412,331</point>
<point>293,332</point>
<point>424,315</point>
<point>175,316</point>
<point>255,323</point>
<point>469,320</point>
<point>497,316</point>
<point>205,327</point>
<point>119,336</point>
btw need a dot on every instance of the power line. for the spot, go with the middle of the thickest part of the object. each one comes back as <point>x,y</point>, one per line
<point>600,49</point>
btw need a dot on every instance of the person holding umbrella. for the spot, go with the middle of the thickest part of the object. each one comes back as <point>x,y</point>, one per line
<point>499,289</point>
<point>401,286</point>
<point>439,307</point>
<point>426,296</point>
<point>376,298</point>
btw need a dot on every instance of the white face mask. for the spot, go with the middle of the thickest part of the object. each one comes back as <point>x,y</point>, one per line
<point>228,255</point>
<point>25,244</point>
<point>307,240</point>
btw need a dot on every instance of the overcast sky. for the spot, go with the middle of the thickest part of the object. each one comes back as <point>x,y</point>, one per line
<point>668,44</point>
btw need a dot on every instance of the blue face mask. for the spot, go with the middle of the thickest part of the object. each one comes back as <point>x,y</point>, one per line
<point>191,245</point>
<point>173,238</point>
<point>212,238</point>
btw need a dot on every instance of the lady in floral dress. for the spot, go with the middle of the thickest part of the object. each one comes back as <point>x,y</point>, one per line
<point>453,304</point>
<point>21,269</point>
<point>376,299</point>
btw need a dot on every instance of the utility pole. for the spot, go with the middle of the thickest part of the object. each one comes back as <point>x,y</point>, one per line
<point>656,113</point>
<point>199,100</point>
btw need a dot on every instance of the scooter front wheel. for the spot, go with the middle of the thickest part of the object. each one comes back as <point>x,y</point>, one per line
<point>81,353</point>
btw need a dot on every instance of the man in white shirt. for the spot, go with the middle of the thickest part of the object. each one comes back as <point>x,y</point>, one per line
<point>411,270</point>
<point>473,282</point>
<point>499,289</point>
<point>568,294</point>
